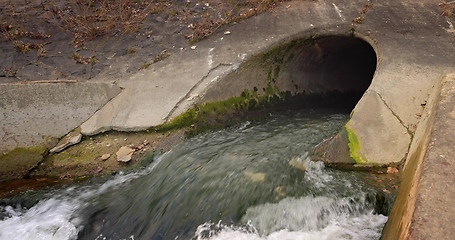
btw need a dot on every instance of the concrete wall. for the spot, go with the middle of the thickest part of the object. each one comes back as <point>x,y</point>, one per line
<point>39,114</point>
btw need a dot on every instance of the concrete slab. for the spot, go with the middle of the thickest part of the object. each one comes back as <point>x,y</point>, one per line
<point>377,127</point>
<point>39,114</point>
<point>423,208</point>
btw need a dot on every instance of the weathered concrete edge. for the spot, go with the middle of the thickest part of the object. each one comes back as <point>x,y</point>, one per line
<point>398,225</point>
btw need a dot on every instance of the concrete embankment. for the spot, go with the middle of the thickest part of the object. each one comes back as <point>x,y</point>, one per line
<point>385,117</point>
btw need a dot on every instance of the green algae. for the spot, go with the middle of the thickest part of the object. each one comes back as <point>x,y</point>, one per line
<point>354,147</point>
<point>220,114</point>
<point>17,162</point>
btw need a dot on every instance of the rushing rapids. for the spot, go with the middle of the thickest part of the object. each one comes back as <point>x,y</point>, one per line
<point>254,181</point>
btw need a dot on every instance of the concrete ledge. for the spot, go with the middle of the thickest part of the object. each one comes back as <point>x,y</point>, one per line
<point>424,205</point>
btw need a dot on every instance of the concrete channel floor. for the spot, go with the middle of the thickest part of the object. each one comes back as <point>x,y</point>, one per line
<point>414,45</point>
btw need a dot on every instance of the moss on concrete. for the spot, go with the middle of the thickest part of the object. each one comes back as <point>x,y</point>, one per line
<point>354,147</point>
<point>19,161</point>
<point>220,114</point>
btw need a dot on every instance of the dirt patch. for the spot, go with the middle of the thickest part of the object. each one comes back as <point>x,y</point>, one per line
<point>79,39</point>
<point>96,156</point>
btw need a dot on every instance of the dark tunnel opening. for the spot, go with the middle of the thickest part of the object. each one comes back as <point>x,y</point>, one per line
<point>328,71</point>
<point>331,71</point>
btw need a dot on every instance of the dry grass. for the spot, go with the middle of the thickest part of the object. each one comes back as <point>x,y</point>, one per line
<point>32,24</point>
<point>447,8</point>
<point>227,12</point>
<point>89,19</point>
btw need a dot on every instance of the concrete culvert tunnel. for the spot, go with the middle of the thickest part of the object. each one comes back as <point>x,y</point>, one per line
<point>318,71</point>
<point>332,64</point>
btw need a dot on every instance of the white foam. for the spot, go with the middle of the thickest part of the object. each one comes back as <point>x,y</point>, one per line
<point>363,227</point>
<point>48,220</point>
<point>303,218</point>
<point>56,218</point>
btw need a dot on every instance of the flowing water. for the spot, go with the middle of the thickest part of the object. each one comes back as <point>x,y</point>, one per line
<point>254,181</point>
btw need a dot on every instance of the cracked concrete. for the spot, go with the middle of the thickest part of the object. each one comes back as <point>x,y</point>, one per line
<point>378,127</point>
<point>194,95</point>
<point>411,132</point>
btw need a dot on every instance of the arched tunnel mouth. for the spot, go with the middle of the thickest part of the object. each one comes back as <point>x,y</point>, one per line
<point>328,71</point>
<point>337,70</point>
<point>324,72</point>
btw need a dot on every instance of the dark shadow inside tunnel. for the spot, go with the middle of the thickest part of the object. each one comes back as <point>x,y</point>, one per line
<point>335,63</point>
<point>330,71</point>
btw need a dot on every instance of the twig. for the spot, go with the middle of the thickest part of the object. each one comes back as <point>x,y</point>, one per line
<point>49,81</point>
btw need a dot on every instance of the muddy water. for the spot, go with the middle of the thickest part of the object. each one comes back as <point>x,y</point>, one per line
<point>254,181</point>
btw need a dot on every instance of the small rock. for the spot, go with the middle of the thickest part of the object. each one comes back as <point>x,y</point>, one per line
<point>98,169</point>
<point>392,170</point>
<point>106,156</point>
<point>124,154</point>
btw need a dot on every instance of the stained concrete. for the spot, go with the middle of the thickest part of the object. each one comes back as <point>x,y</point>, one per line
<point>151,96</point>
<point>39,114</point>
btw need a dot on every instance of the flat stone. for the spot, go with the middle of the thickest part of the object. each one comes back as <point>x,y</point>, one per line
<point>124,154</point>
<point>105,157</point>
<point>70,139</point>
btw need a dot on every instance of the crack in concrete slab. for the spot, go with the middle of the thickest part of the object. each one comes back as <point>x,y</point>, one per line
<point>394,114</point>
<point>362,13</point>
<point>187,96</point>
